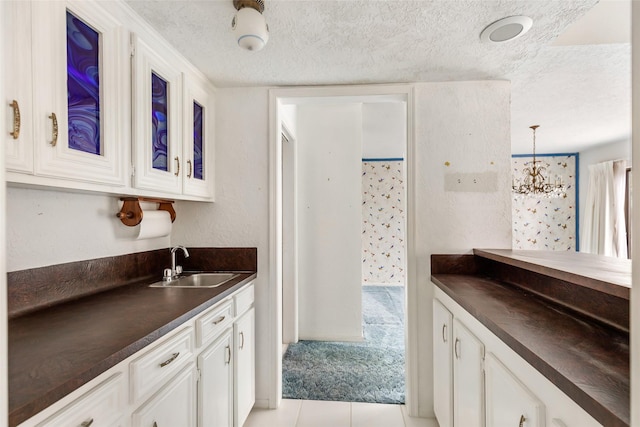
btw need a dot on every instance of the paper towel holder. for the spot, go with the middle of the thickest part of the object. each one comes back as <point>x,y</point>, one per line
<point>131,213</point>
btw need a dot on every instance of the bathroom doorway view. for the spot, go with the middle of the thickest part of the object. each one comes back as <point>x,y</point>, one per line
<point>344,253</point>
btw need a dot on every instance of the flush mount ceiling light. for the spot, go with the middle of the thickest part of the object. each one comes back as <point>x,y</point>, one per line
<point>506,29</point>
<point>249,26</point>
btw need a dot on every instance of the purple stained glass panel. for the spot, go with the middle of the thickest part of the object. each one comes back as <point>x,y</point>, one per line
<point>83,86</point>
<point>198,139</point>
<point>159,109</point>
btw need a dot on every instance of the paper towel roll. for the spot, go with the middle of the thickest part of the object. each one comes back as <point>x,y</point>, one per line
<point>154,224</point>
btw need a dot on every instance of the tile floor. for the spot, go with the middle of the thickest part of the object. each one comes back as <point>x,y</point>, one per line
<point>315,413</point>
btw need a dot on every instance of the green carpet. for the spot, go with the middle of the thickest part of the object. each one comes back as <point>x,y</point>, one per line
<point>370,371</point>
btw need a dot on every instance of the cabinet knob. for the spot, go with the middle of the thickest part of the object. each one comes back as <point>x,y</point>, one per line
<point>228,355</point>
<point>54,133</point>
<point>219,320</point>
<point>242,344</point>
<point>16,119</point>
<point>444,332</point>
<point>455,348</point>
<point>522,420</point>
<point>87,423</point>
<point>190,169</point>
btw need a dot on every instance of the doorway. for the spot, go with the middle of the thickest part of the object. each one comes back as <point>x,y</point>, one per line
<point>352,99</point>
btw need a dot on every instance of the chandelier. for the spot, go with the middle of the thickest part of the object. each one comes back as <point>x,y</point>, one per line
<point>533,182</point>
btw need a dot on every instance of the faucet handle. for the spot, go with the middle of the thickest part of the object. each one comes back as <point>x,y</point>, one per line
<point>178,269</point>
<point>166,274</point>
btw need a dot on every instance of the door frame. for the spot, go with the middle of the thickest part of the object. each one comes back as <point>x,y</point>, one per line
<point>283,96</point>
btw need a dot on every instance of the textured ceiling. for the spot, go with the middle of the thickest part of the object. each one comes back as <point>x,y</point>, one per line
<point>580,95</point>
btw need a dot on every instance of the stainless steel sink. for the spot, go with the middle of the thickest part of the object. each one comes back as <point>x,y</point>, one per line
<point>196,280</point>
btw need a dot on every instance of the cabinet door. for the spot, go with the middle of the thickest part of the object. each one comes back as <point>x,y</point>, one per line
<point>198,137</point>
<point>468,384</point>
<point>173,405</point>
<point>80,82</point>
<point>215,404</point>
<point>244,337</point>
<point>509,401</point>
<point>442,364</point>
<point>16,36</point>
<point>157,107</point>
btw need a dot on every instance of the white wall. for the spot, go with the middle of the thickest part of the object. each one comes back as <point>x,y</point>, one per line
<point>329,198</point>
<point>240,215</point>
<point>466,124</point>
<point>619,150</point>
<point>47,227</point>
<point>384,130</point>
<point>463,123</point>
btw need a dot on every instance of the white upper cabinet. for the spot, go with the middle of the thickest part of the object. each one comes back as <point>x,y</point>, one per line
<point>96,100</point>
<point>79,79</point>
<point>157,106</point>
<point>173,124</point>
<point>16,34</point>
<point>198,136</point>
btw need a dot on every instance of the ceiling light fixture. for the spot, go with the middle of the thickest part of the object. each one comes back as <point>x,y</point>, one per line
<point>248,25</point>
<point>506,29</point>
<point>533,182</point>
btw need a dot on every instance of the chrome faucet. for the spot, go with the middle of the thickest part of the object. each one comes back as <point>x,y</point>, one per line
<point>175,269</point>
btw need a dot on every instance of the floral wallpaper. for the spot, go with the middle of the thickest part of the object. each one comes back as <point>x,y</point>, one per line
<point>383,227</point>
<point>546,223</point>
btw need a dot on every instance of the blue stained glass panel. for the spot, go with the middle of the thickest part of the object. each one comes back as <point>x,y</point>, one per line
<point>83,86</point>
<point>198,139</point>
<point>159,109</point>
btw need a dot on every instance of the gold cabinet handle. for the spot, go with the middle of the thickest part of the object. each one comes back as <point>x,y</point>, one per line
<point>177,159</point>
<point>522,420</point>
<point>228,357</point>
<point>190,169</point>
<point>444,331</point>
<point>54,134</point>
<point>87,423</point>
<point>242,336</point>
<point>219,319</point>
<point>16,119</point>
<point>173,357</point>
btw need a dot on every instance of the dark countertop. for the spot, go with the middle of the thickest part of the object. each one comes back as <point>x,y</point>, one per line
<point>585,359</point>
<point>55,350</point>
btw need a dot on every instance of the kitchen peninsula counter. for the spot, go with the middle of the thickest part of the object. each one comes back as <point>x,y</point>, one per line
<point>57,348</point>
<point>573,328</point>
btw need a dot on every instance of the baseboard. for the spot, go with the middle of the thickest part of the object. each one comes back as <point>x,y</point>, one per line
<point>261,403</point>
<point>355,338</point>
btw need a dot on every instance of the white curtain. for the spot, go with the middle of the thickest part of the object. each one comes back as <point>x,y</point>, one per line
<point>603,229</point>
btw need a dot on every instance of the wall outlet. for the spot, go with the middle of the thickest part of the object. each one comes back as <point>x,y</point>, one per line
<point>479,182</point>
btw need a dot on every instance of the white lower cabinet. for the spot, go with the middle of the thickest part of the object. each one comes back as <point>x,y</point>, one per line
<point>509,401</point>
<point>101,406</point>
<point>245,390</point>
<point>178,381</point>
<point>173,405</point>
<point>443,364</point>
<point>215,388</point>
<point>468,378</point>
<point>497,390</point>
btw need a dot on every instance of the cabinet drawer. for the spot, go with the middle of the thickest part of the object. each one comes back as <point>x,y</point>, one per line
<point>214,322</point>
<point>101,406</point>
<point>155,366</point>
<point>244,300</point>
